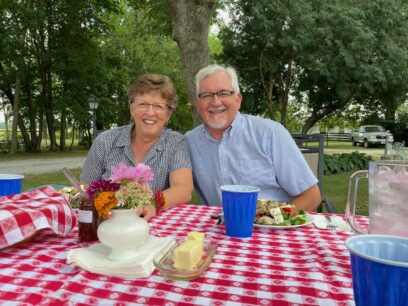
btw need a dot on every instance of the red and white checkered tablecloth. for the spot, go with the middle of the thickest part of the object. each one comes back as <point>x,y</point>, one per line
<point>23,215</point>
<point>303,266</point>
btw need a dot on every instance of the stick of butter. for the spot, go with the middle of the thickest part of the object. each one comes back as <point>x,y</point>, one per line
<point>196,236</point>
<point>189,253</point>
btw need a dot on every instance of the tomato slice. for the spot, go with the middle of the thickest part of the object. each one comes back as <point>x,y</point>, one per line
<point>287,210</point>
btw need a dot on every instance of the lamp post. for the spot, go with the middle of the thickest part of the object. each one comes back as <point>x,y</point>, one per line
<point>93,106</point>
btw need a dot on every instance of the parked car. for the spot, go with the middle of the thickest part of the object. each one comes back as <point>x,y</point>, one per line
<point>369,135</point>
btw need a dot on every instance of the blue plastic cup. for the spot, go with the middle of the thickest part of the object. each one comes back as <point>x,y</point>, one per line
<point>379,265</point>
<point>10,184</point>
<point>239,206</point>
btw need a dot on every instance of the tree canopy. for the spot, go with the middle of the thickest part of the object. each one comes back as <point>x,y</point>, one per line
<point>326,54</point>
<point>300,62</point>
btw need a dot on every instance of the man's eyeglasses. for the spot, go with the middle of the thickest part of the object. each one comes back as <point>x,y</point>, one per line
<point>158,108</point>
<point>209,96</point>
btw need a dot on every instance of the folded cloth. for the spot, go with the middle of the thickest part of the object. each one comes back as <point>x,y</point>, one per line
<point>23,215</point>
<point>322,222</point>
<point>93,258</point>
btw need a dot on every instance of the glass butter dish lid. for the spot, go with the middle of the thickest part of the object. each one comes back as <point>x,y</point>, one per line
<point>165,264</point>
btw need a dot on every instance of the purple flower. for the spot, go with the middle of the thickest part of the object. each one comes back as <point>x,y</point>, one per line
<point>99,186</point>
<point>141,173</point>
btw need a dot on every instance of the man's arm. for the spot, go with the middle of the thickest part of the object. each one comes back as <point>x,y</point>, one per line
<point>309,199</point>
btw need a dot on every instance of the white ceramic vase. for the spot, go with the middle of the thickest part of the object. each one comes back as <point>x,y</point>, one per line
<point>123,233</point>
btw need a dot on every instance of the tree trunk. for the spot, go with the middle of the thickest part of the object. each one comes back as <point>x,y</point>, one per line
<point>190,25</point>
<point>391,106</point>
<point>271,108</point>
<point>6,118</point>
<point>63,129</point>
<point>24,133</point>
<point>40,129</point>
<point>14,136</point>
<point>43,46</point>
<point>285,86</point>
<point>31,141</point>
<point>73,135</point>
<point>50,106</point>
<point>316,115</point>
<point>20,122</point>
<point>283,102</point>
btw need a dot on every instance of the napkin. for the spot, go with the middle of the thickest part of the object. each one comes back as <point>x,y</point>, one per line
<point>321,222</point>
<point>24,215</point>
<point>93,258</point>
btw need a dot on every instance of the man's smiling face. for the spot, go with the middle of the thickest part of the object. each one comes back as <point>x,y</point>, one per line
<point>218,113</point>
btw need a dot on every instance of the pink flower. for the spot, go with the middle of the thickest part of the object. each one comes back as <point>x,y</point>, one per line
<point>124,174</point>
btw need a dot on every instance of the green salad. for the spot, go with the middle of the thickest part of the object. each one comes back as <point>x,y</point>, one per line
<point>275,213</point>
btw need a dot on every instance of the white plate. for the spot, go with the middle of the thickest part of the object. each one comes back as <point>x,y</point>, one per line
<point>308,222</point>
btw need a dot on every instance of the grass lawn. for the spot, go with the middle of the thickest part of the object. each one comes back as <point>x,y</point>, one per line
<point>34,180</point>
<point>335,188</point>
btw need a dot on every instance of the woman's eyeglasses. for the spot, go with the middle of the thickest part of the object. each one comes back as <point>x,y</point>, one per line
<point>158,108</point>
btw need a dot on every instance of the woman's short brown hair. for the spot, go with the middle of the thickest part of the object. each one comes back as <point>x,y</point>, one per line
<point>149,83</point>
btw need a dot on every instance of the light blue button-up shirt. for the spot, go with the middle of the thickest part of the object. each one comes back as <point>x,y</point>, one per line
<point>253,151</point>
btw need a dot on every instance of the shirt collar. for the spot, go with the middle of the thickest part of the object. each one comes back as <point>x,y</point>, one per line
<point>126,136</point>
<point>235,124</point>
<point>231,129</point>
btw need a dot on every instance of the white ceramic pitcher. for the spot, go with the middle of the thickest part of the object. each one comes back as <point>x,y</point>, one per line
<point>388,198</point>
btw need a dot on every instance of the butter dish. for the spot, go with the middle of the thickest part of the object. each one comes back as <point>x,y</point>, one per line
<point>165,263</point>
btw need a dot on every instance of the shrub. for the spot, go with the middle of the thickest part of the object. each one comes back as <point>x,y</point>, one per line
<point>337,163</point>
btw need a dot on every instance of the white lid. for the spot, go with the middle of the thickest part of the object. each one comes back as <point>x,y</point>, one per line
<point>240,188</point>
<point>5,176</point>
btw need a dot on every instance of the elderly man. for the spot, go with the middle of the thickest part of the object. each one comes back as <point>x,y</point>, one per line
<point>234,148</point>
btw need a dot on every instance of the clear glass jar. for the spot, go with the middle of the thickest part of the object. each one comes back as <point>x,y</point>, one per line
<point>87,220</point>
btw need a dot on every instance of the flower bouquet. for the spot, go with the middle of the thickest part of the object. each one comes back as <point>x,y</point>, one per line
<point>127,188</point>
<point>120,201</point>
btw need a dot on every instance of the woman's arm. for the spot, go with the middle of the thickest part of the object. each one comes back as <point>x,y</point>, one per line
<point>181,187</point>
<point>180,190</point>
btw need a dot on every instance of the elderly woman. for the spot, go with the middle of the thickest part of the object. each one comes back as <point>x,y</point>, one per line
<point>152,100</point>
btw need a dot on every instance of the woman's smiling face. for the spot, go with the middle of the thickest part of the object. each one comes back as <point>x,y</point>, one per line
<point>150,113</point>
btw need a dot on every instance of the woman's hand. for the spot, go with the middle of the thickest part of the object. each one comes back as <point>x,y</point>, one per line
<point>149,212</point>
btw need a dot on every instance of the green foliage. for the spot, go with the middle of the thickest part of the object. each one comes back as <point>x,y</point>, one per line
<point>83,48</point>
<point>328,54</point>
<point>338,119</point>
<point>154,14</point>
<point>215,46</point>
<point>337,163</point>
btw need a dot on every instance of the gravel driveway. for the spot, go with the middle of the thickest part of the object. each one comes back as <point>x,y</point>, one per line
<point>38,166</point>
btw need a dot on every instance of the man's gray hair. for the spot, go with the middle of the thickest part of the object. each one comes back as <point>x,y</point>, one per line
<point>214,68</point>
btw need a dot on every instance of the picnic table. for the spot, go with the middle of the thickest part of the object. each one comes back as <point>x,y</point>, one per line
<point>300,266</point>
